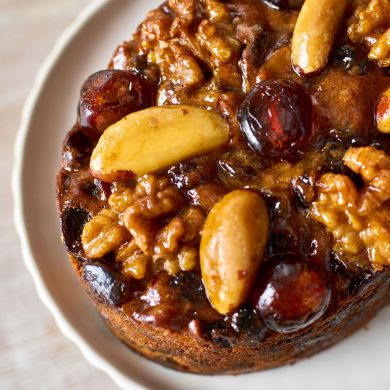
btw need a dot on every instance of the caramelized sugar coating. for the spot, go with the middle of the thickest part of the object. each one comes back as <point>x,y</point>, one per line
<point>308,147</point>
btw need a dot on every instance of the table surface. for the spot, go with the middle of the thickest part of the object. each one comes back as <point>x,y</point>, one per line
<point>34,353</point>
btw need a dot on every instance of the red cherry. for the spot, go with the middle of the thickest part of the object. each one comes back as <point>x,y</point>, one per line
<point>292,295</point>
<point>276,119</point>
<point>109,95</point>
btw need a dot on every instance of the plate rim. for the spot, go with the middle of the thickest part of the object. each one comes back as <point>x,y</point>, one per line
<point>64,39</point>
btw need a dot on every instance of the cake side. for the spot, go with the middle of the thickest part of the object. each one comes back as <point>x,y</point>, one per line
<point>188,351</point>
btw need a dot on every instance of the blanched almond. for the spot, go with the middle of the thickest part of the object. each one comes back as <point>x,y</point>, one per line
<point>232,246</point>
<point>315,31</point>
<point>150,140</point>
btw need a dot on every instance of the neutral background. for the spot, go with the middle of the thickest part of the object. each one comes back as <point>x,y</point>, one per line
<point>33,352</point>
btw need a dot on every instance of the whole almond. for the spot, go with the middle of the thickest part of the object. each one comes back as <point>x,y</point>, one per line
<point>314,34</point>
<point>232,247</point>
<point>155,138</point>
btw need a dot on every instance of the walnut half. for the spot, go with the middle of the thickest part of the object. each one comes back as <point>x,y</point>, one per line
<point>358,219</point>
<point>141,229</point>
<point>371,26</point>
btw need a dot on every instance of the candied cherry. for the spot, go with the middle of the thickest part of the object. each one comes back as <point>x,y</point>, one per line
<point>109,95</point>
<point>292,295</point>
<point>284,4</point>
<point>276,119</point>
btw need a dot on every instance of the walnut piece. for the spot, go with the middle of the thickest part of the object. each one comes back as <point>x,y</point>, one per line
<point>371,26</point>
<point>119,201</point>
<point>221,45</point>
<point>160,198</point>
<point>168,237</point>
<point>188,258</point>
<point>138,228</point>
<point>102,234</point>
<point>196,32</point>
<point>358,219</point>
<point>380,51</point>
<point>184,9</point>
<point>135,266</point>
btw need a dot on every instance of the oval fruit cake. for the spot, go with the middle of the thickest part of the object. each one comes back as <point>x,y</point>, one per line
<point>224,195</point>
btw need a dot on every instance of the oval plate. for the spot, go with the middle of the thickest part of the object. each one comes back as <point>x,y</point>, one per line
<point>361,362</point>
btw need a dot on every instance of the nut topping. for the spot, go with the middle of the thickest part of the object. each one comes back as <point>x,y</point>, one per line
<point>314,33</point>
<point>371,27</point>
<point>102,234</point>
<point>231,249</point>
<point>358,220</point>
<point>141,231</point>
<point>153,139</point>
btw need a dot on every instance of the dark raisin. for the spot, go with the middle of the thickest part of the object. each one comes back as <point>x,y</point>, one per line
<point>218,333</point>
<point>108,286</point>
<point>72,224</point>
<point>77,140</point>
<point>359,282</point>
<point>304,190</point>
<point>284,4</point>
<point>100,190</point>
<point>190,285</point>
<point>351,59</point>
<point>77,150</point>
<point>246,322</point>
<point>189,174</point>
<point>334,152</point>
<point>336,264</point>
<point>185,175</point>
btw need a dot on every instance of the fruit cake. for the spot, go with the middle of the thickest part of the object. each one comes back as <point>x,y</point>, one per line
<point>224,196</point>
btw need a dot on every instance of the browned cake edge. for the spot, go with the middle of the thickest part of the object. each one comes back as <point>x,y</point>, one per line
<point>190,353</point>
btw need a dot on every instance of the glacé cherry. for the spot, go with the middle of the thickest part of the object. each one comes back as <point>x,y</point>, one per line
<point>292,295</point>
<point>109,95</point>
<point>276,119</point>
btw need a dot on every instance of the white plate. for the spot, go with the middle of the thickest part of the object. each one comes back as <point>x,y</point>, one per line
<point>361,362</point>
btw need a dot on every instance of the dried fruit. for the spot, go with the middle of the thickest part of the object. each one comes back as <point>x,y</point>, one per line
<point>284,4</point>
<point>153,139</point>
<point>277,120</point>
<point>352,59</point>
<point>293,295</point>
<point>72,224</point>
<point>314,33</point>
<point>231,249</point>
<point>109,95</point>
<point>107,285</point>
